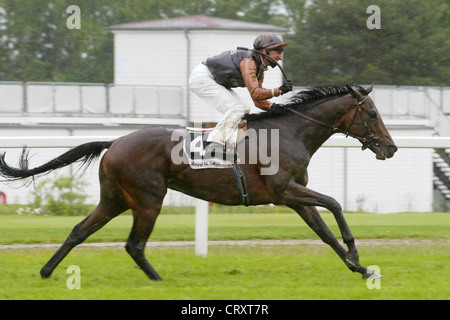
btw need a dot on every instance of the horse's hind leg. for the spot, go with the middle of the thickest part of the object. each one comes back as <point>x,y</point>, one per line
<point>111,205</point>
<point>144,220</point>
<point>96,220</point>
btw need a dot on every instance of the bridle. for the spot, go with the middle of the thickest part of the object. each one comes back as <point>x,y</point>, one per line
<point>365,141</point>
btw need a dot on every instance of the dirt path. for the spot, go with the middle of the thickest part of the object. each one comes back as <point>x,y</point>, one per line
<point>249,243</point>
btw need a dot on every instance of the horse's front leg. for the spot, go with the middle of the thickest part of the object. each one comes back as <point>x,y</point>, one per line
<point>303,200</point>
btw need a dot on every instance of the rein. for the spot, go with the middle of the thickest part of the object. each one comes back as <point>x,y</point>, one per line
<point>365,141</point>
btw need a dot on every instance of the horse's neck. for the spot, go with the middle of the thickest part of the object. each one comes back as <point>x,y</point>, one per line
<point>296,129</point>
<point>312,134</point>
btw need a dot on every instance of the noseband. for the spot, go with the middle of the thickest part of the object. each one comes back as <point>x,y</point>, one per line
<point>364,141</point>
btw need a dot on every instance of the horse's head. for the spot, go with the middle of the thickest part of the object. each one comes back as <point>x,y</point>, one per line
<point>364,122</point>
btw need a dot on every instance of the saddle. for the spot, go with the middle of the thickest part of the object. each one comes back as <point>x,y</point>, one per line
<point>194,145</point>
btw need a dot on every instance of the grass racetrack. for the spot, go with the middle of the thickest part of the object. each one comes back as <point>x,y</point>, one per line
<point>412,251</point>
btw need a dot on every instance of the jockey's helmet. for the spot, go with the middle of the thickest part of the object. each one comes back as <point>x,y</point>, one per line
<point>268,41</point>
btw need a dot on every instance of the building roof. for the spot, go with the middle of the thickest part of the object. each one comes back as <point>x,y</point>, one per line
<point>197,22</point>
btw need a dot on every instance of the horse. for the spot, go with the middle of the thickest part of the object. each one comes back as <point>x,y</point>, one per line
<point>137,169</point>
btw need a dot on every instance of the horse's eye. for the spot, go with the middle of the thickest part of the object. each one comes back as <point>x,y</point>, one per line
<point>373,114</point>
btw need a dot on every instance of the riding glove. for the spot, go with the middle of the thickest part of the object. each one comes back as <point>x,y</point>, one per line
<point>278,108</point>
<point>286,87</point>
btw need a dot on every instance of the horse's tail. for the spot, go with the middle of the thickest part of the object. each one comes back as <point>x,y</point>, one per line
<point>84,153</point>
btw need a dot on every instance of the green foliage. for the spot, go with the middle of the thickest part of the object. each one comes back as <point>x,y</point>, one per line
<point>40,47</point>
<point>330,43</point>
<point>61,196</point>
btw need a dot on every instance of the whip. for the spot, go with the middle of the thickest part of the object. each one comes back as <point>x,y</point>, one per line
<point>266,56</point>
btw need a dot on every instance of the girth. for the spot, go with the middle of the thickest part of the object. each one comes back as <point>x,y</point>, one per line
<point>242,184</point>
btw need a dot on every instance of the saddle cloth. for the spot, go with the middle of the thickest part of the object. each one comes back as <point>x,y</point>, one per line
<point>195,143</point>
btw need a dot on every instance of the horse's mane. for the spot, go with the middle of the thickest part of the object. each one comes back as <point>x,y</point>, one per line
<point>304,98</point>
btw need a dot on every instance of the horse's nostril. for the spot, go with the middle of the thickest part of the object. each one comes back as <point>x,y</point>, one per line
<point>393,148</point>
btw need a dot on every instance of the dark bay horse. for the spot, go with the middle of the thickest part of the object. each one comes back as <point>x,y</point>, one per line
<point>137,169</point>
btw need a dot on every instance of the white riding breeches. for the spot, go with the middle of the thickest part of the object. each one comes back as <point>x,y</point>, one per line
<point>224,100</point>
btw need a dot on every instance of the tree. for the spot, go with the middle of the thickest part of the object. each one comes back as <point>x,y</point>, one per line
<point>38,46</point>
<point>332,44</point>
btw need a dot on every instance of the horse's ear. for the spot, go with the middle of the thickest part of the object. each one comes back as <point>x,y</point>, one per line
<point>369,89</point>
<point>354,93</point>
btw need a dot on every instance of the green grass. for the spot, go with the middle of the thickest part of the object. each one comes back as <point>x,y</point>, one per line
<point>175,227</point>
<point>279,273</point>
<point>415,271</point>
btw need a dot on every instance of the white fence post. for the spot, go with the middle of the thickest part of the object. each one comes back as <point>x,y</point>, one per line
<point>201,228</point>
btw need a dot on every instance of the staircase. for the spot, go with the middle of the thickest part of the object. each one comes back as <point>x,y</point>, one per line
<point>439,107</point>
<point>441,179</point>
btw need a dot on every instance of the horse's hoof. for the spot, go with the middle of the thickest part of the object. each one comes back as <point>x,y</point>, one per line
<point>45,274</point>
<point>370,274</point>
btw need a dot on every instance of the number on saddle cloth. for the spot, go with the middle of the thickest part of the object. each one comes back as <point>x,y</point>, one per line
<point>195,144</point>
<point>194,148</point>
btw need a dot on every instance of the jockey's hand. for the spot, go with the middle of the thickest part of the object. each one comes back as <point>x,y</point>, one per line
<point>286,87</point>
<point>278,107</point>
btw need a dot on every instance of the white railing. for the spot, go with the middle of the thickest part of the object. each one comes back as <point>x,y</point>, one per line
<point>90,99</point>
<point>201,221</point>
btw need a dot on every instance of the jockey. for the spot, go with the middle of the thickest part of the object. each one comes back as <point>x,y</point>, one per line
<point>212,82</point>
